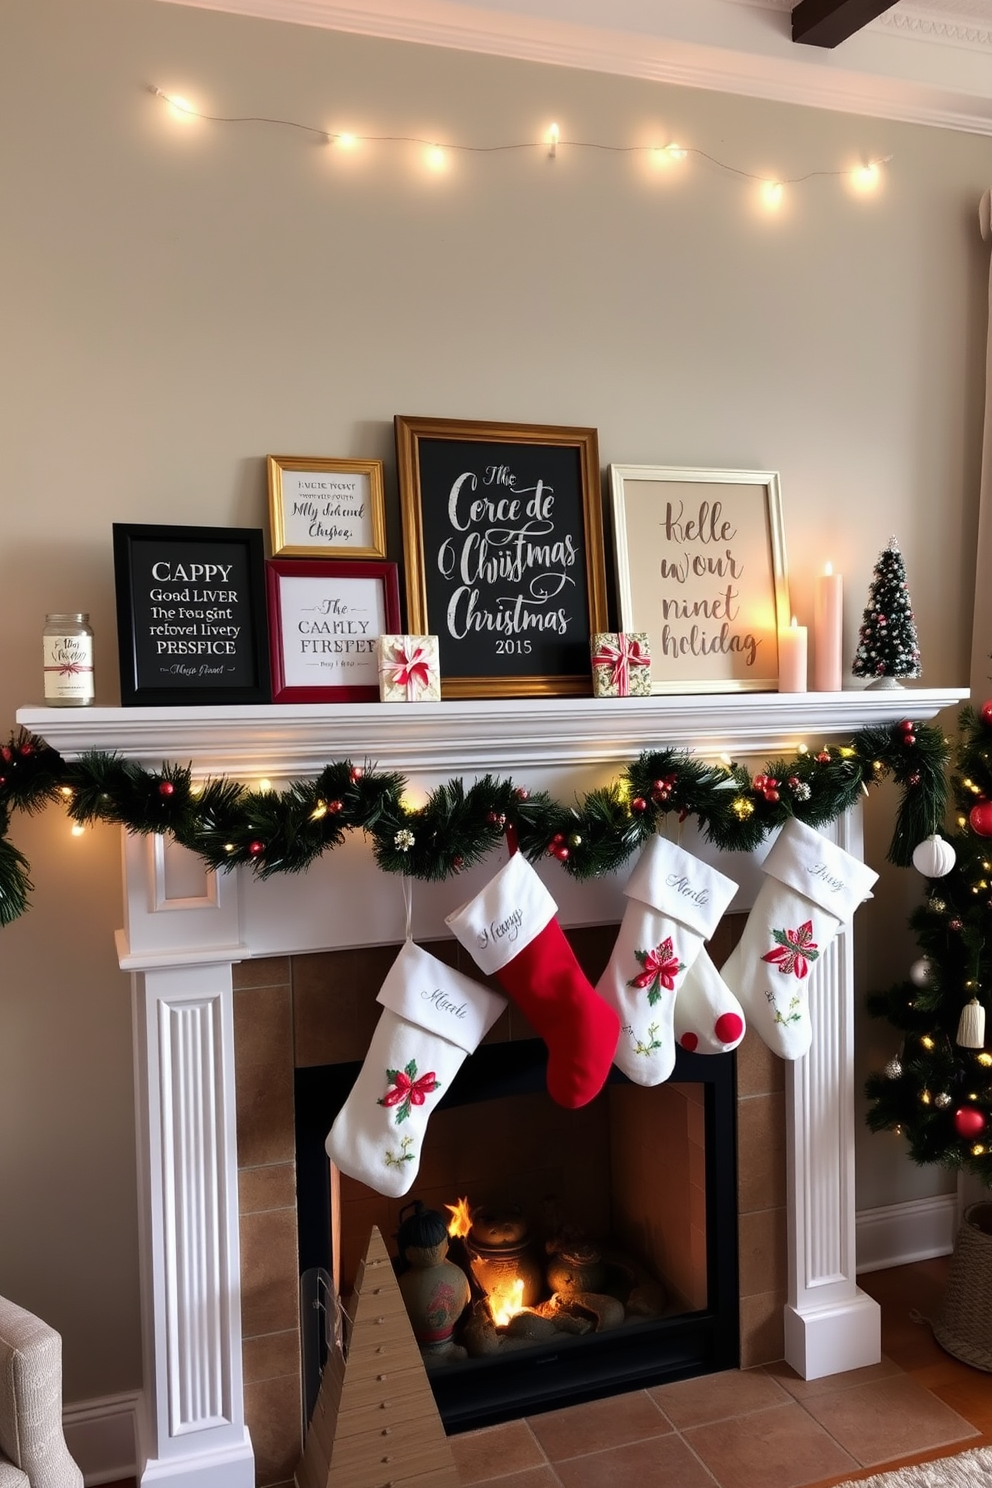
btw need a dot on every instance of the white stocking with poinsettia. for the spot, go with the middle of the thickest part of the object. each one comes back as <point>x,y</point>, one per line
<point>675,903</point>
<point>432,1017</point>
<point>812,887</point>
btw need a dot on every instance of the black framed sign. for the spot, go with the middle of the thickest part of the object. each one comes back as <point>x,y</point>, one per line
<point>503,552</point>
<point>191,619</point>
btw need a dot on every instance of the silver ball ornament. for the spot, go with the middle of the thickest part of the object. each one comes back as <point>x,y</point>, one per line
<point>919,972</point>
<point>893,1070</point>
<point>942,1100</point>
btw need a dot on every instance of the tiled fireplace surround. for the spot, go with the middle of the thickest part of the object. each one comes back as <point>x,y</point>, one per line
<point>235,980</point>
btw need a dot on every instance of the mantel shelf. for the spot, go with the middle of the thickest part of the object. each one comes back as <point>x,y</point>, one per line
<point>297,740</point>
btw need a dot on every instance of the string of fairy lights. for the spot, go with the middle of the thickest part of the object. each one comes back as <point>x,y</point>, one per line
<point>863,178</point>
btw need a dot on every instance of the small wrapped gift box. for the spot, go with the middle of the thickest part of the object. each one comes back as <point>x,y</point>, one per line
<point>408,669</point>
<point>621,664</point>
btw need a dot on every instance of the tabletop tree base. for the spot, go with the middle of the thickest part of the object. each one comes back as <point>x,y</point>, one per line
<point>376,1423</point>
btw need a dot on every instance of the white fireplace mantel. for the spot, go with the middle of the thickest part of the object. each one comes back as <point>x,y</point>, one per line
<point>185,928</point>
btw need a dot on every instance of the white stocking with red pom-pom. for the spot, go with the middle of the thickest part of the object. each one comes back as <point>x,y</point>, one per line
<point>432,1017</point>
<point>812,887</point>
<point>708,1017</point>
<point>675,902</point>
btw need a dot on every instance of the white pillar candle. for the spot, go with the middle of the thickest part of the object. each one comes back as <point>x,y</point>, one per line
<point>792,658</point>
<point>828,632</point>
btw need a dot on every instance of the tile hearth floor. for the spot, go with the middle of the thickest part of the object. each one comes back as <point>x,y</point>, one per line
<point>759,1428</point>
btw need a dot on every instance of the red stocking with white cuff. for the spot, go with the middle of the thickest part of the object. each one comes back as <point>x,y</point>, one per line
<point>510,930</point>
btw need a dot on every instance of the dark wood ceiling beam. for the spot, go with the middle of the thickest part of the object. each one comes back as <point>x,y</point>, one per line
<point>826,23</point>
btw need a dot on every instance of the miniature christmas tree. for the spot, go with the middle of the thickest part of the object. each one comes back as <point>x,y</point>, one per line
<point>887,644</point>
<point>936,1090</point>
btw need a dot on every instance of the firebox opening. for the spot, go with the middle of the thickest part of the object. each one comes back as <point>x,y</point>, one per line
<point>640,1185</point>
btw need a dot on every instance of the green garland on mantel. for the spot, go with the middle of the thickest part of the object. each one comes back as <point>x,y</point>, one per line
<point>227,824</point>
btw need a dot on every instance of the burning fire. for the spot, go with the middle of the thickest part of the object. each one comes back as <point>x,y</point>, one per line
<point>506,1300</point>
<point>461,1219</point>
<point>506,1297</point>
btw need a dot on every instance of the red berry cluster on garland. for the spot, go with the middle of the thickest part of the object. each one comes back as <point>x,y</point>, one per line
<point>767,786</point>
<point>663,789</point>
<point>558,848</point>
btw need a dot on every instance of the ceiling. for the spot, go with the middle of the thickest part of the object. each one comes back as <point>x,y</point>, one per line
<point>925,61</point>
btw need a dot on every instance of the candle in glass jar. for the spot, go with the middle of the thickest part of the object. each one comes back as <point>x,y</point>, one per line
<point>792,658</point>
<point>828,631</point>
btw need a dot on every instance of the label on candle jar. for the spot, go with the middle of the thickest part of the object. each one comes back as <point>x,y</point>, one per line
<point>68,664</point>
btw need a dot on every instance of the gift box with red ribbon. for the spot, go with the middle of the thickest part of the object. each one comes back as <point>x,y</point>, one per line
<point>621,664</point>
<point>408,669</point>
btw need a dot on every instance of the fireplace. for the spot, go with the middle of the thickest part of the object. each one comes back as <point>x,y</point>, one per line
<point>190,938</point>
<point>617,1221</point>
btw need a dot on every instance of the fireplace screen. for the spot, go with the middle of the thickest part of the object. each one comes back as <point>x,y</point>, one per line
<point>592,1251</point>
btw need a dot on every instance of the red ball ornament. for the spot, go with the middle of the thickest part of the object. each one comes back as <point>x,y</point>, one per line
<point>561,853</point>
<point>823,758</point>
<point>968,1122</point>
<point>908,739</point>
<point>335,806</point>
<point>256,848</point>
<point>166,788</point>
<point>638,804</point>
<point>986,713</point>
<point>6,753</point>
<point>522,793</point>
<point>906,727</point>
<point>458,862</point>
<point>26,749</point>
<point>980,817</point>
<point>356,772</point>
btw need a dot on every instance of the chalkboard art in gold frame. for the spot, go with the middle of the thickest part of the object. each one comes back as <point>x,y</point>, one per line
<point>326,508</point>
<point>503,553</point>
<point>700,560</point>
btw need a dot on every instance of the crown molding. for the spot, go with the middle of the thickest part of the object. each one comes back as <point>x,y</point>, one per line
<point>907,66</point>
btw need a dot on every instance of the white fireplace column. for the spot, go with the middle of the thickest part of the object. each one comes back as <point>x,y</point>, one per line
<point>185,927</point>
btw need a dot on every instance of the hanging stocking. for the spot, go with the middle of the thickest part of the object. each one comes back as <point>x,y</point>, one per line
<point>675,902</point>
<point>708,1017</point>
<point>432,1017</point>
<point>511,931</point>
<point>811,889</point>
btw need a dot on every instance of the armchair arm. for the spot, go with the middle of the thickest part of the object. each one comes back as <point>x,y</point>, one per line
<point>31,1400</point>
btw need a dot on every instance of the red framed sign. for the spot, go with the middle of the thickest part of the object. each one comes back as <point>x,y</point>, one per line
<point>324,621</point>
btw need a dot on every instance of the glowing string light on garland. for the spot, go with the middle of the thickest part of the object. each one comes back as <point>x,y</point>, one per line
<point>864,178</point>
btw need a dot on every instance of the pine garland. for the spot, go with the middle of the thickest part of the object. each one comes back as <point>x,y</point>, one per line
<point>227,824</point>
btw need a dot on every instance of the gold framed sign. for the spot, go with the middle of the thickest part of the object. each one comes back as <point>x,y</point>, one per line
<point>326,508</point>
<point>503,552</point>
<point>700,560</point>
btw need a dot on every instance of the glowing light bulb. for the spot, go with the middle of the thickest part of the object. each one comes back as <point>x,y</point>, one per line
<point>675,152</point>
<point>66,790</point>
<point>772,193</point>
<point>345,141</point>
<point>264,784</point>
<point>554,135</point>
<point>181,107</point>
<point>865,178</point>
<point>77,829</point>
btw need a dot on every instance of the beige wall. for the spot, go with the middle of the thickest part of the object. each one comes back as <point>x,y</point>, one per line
<point>176,300</point>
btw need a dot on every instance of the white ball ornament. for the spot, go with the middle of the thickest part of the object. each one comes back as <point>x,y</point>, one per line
<point>934,856</point>
<point>919,972</point>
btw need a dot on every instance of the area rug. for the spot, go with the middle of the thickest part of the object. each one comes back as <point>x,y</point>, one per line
<point>968,1470</point>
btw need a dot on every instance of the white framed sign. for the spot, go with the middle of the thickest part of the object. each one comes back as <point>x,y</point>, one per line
<point>700,560</point>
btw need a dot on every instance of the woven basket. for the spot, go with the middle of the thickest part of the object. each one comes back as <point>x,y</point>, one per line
<point>964,1327</point>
